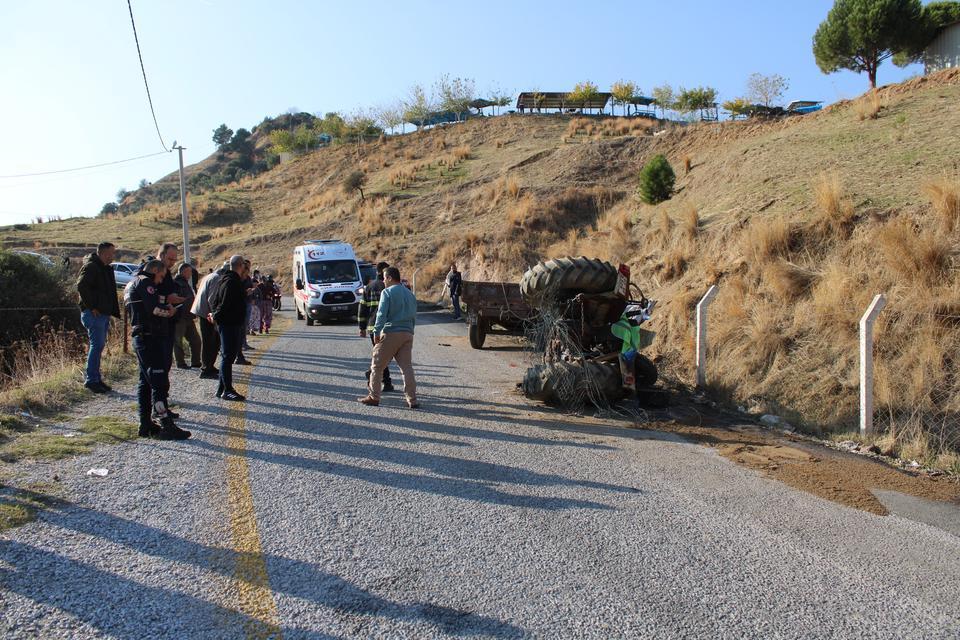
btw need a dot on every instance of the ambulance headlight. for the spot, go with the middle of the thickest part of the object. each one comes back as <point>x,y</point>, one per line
<point>314,294</point>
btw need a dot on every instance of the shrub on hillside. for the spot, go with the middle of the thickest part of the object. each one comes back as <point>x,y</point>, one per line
<point>44,294</point>
<point>656,180</point>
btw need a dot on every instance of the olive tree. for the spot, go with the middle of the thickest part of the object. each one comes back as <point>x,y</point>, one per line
<point>622,93</point>
<point>663,97</point>
<point>766,90</point>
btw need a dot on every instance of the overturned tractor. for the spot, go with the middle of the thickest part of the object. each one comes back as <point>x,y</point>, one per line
<point>588,334</point>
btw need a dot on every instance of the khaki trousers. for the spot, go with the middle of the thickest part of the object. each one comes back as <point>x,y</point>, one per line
<point>399,347</point>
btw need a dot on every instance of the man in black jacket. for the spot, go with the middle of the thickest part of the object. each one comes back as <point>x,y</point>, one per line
<point>455,283</point>
<point>149,318</point>
<point>98,303</point>
<point>185,327</point>
<point>228,309</point>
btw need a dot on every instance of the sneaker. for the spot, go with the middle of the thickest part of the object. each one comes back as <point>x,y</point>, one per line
<point>170,431</point>
<point>173,415</point>
<point>209,375</point>
<point>370,401</point>
<point>183,365</point>
<point>233,396</point>
<point>96,387</point>
<point>413,404</point>
<point>106,388</point>
<point>149,430</point>
<point>242,361</point>
<point>388,387</point>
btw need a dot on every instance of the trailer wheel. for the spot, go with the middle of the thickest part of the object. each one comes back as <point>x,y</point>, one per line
<point>644,371</point>
<point>478,333</point>
<point>569,275</point>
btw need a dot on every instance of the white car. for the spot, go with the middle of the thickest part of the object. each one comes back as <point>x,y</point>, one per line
<point>123,272</point>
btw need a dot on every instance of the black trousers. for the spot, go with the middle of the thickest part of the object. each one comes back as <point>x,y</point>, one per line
<point>210,345</point>
<point>230,338</point>
<point>154,384</point>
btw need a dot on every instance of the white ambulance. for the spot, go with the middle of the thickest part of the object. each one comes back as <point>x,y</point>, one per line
<point>326,281</point>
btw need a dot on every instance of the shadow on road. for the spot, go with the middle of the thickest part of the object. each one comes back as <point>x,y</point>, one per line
<point>127,609</point>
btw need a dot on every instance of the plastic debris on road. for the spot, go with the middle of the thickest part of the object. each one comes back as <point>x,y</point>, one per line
<point>98,471</point>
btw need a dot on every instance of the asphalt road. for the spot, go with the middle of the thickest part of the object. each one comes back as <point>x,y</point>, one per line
<point>306,515</point>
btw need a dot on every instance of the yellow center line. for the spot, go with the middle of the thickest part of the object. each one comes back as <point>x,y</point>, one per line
<point>252,582</point>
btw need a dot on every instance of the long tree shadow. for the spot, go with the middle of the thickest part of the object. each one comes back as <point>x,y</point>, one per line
<point>124,608</point>
<point>352,425</point>
<point>443,465</point>
<point>451,486</point>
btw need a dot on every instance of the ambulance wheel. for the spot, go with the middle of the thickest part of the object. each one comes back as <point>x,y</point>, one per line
<point>309,321</point>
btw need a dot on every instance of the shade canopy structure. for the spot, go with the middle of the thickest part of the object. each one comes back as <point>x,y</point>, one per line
<point>558,100</point>
<point>440,117</point>
<point>641,101</point>
<point>482,103</point>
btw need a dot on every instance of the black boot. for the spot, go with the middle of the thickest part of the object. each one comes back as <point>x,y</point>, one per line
<point>148,429</point>
<point>170,431</point>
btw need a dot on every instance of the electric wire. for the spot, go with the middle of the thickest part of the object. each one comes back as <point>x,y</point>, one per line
<point>89,166</point>
<point>144,71</point>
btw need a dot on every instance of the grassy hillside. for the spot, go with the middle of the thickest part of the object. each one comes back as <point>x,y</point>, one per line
<point>799,221</point>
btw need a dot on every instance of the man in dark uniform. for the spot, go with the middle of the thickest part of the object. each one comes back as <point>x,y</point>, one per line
<point>150,319</point>
<point>367,316</point>
<point>169,294</point>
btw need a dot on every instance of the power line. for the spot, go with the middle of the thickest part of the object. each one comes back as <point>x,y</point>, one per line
<point>144,71</point>
<point>89,166</point>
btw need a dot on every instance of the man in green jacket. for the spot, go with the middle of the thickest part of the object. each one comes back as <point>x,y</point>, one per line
<point>393,338</point>
<point>97,288</point>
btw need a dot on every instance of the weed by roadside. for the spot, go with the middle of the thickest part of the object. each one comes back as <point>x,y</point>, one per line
<point>51,446</point>
<point>18,506</point>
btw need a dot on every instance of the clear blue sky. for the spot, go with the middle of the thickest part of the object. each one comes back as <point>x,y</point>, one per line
<point>73,94</point>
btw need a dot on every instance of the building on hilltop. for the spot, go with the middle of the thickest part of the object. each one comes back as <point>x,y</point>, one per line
<point>944,51</point>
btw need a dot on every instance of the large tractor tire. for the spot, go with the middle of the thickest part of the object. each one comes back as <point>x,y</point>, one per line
<point>567,276</point>
<point>563,383</point>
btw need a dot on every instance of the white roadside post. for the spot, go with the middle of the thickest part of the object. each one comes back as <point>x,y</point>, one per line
<point>702,307</point>
<point>415,272</point>
<point>866,362</point>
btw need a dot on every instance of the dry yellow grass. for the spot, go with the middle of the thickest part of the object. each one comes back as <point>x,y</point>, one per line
<point>944,196</point>
<point>788,280</point>
<point>766,239</point>
<point>835,211</point>
<point>917,257</point>
<point>869,106</point>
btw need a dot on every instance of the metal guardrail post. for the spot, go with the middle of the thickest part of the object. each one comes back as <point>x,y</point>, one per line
<point>415,272</point>
<point>866,362</point>
<point>702,307</point>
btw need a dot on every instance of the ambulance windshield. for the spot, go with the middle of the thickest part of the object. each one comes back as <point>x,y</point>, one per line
<point>332,271</point>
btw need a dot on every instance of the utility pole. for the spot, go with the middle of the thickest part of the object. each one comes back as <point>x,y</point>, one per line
<point>183,209</point>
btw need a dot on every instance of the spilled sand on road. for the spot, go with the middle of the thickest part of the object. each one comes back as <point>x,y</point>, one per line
<point>840,477</point>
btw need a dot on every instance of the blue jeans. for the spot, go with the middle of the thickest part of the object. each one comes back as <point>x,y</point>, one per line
<point>455,298</point>
<point>230,340</point>
<point>97,327</point>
